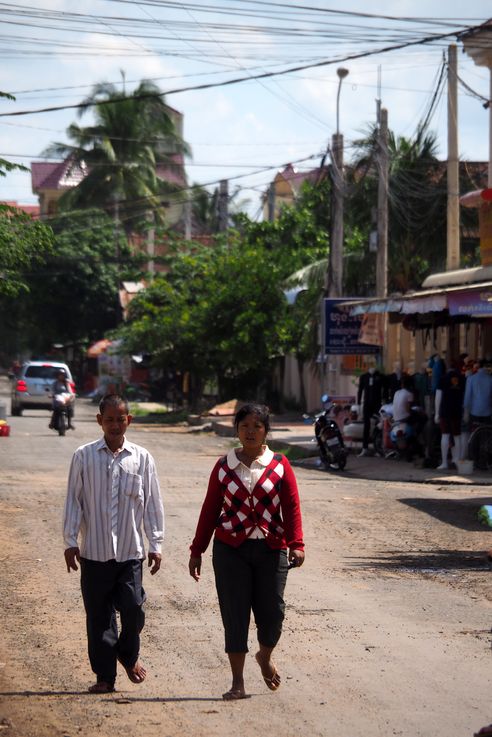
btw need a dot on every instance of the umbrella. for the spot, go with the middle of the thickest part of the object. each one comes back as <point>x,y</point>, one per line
<point>100,346</point>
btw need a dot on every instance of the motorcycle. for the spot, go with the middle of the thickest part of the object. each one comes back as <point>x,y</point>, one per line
<point>60,418</point>
<point>353,431</point>
<point>332,450</point>
<point>401,436</point>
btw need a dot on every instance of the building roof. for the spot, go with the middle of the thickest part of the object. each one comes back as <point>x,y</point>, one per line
<point>297,178</point>
<point>32,210</point>
<point>64,175</point>
<point>55,175</point>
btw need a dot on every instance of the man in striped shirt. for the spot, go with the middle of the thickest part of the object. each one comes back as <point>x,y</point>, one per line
<point>113,497</point>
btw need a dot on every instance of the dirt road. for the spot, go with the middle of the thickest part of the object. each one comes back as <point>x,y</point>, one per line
<point>387,629</point>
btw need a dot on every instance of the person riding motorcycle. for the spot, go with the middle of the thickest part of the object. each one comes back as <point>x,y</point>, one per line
<point>62,396</point>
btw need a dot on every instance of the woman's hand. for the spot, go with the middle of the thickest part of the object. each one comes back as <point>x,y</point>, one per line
<point>296,558</point>
<point>195,566</point>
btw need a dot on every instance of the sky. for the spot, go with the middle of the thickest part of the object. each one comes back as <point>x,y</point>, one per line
<point>53,51</point>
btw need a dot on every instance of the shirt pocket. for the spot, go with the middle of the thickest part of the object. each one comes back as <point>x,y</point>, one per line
<point>131,485</point>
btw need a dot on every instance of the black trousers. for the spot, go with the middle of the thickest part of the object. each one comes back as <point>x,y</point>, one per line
<point>108,588</point>
<point>249,578</point>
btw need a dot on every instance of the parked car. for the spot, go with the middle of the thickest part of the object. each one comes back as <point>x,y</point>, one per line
<point>31,388</point>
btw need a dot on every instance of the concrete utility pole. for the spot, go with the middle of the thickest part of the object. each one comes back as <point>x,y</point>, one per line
<point>382,220</point>
<point>453,218</point>
<point>151,244</point>
<point>478,45</point>
<point>223,205</point>
<point>271,202</point>
<point>335,264</point>
<point>187,211</point>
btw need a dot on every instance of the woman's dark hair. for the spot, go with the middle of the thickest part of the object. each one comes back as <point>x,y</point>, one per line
<point>112,400</point>
<point>260,410</point>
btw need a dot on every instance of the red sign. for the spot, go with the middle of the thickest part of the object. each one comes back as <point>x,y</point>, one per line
<point>486,194</point>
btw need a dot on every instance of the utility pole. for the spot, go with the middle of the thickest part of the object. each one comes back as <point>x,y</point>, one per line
<point>187,217</point>
<point>271,202</point>
<point>382,219</point>
<point>335,264</point>
<point>223,205</point>
<point>453,215</point>
<point>151,244</point>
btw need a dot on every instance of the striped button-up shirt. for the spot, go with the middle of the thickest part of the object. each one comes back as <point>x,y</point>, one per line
<point>110,498</point>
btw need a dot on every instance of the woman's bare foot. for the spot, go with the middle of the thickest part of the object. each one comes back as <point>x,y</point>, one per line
<point>268,671</point>
<point>234,694</point>
<point>101,687</point>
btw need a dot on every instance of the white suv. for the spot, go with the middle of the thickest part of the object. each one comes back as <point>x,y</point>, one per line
<point>31,387</point>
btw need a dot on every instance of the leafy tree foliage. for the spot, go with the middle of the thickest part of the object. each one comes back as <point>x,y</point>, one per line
<point>7,166</point>
<point>23,243</point>
<point>73,295</point>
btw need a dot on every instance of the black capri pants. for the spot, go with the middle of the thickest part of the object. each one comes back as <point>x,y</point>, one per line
<point>250,577</point>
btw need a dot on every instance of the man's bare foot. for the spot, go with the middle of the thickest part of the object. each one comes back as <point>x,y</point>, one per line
<point>101,687</point>
<point>269,672</point>
<point>136,673</point>
<point>234,694</point>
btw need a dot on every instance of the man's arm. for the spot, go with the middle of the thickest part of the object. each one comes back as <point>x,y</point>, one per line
<point>72,514</point>
<point>154,522</point>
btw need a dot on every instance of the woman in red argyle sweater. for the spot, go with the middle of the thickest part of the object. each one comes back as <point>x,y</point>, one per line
<point>252,506</point>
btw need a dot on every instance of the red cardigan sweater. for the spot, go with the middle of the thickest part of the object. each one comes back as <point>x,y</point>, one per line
<point>232,512</point>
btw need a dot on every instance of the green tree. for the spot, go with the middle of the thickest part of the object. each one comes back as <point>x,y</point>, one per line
<point>73,295</point>
<point>216,315</point>
<point>24,242</point>
<point>132,135</point>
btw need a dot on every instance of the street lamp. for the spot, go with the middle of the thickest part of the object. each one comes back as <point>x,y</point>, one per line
<point>335,267</point>
<point>342,73</point>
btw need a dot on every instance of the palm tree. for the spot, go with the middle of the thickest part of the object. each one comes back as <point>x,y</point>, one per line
<point>417,204</point>
<point>133,135</point>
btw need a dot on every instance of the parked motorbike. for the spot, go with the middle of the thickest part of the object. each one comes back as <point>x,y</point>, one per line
<point>401,437</point>
<point>353,430</point>
<point>332,450</point>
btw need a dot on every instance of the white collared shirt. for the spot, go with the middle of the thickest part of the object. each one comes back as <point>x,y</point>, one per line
<point>97,478</point>
<point>250,476</point>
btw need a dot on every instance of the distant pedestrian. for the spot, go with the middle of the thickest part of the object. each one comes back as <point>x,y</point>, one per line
<point>478,396</point>
<point>449,414</point>
<point>113,493</point>
<point>371,393</point>
<point>252,506</point>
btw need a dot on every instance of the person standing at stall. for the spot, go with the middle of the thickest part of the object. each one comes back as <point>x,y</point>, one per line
<point>370,393</point>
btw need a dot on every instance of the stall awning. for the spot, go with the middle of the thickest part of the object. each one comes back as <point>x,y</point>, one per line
<point>472,300</point>
<point>408,305</point>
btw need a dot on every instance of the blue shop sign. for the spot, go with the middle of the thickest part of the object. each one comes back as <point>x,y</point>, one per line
<point>476,303</point>
<point>341,334</point>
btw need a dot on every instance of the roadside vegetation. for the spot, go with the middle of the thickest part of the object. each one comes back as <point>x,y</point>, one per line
<point>216,308</point>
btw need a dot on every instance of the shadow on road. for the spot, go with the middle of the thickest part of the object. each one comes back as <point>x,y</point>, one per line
<point>462,513</point>
<point>115,696</point>
<point>425,561</point>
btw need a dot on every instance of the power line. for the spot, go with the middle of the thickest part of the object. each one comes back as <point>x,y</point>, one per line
<point>238,80</point>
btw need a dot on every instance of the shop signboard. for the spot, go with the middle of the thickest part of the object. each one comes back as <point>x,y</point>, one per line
<point>474,303</point>
<point>342,330</point>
